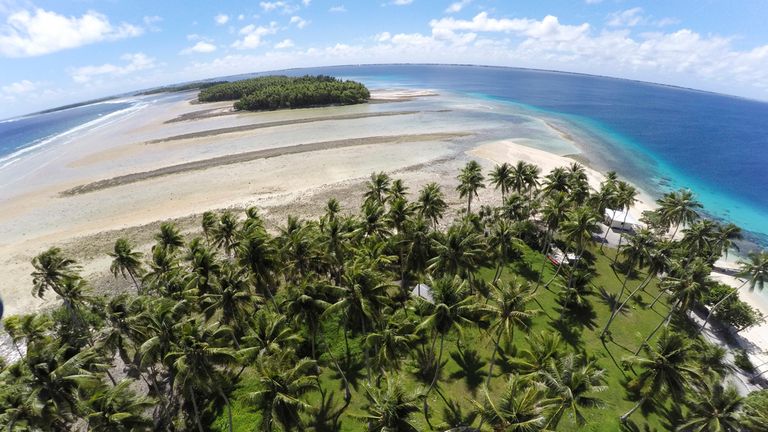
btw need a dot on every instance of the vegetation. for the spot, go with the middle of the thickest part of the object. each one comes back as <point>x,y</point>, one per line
<point>276,92</point>
<point>313,326</point>
<point>198,85</point>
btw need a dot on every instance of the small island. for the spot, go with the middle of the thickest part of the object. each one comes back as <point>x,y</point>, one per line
<point>277,92</point>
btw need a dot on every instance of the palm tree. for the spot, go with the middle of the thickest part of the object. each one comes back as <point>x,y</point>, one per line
<point>505,245</point>
<point>544,347</point>
<point>714,408</point>
<point>209,224</point>
<point>378,188</point>
<point>431,203</point>
<point>725,237</point>
<point>572,380</point>
<point>231,298</point>
<point>678,208</point>
<point>194,359</point>
<point>578,228</point>
<point>126,261</point>
<point>452,309</point>
<point>457,252</point>
<point>284,381</point>
<point>626,196</point>
<point>553,213</point>
<point>389,409</point>
<point>397,190</point>
<point>389,344</point>
<point>756,273</point>
<point>508,309</point>
<point>257,252</point>
<point>754,415</point>
<point>226,232</point>
<point>501,178</point>
<point>118,409</point>
<point>556,181</point>
<point>305,305</point>
<point>521,407</point>
<point>470,180</point>
<point>667,368</point>
<point>635,253</point>
<point>51,270</point>
<point>169,237</point>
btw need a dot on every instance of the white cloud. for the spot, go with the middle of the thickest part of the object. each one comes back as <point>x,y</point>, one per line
<point>252,35</point>
<point>626,18</point>
<point>134,63</point>
<point>286,43</point>
<point>593,1</point>
<point>201,47</point>
<point>221,19</point>
<point>382,37</point>
<point>338,9</point>
<point>401,2</point>
<point>548,28</point>
<point>240,17</point>
<point>306,3</point>
<point>283,6</point>
<point>39,32</point>
<point>150,22</point>
<point>20,87</point>
<point>457,6</point>
<point>299,21</point>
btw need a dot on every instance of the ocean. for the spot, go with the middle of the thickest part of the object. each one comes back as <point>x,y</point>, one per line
<point>658,137</point>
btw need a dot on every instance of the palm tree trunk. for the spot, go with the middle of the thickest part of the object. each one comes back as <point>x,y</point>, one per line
<point>196,413</point>
<point>493,359</point>
<point>626,415</point>
<point>229,408</point>
<point>621,236</point>
<point>722,300</point>
<point>664,322</point>
<point>618,300</point>
<point>434,380</point>
<point>133,278</point>
<point>544,251</point>
<point>656,299</point>
<point>559,267</point>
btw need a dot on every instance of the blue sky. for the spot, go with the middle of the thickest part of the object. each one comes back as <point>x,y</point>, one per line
<point>57,52</point>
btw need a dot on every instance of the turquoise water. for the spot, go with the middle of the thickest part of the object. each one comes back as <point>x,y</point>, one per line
<point>659,137</point>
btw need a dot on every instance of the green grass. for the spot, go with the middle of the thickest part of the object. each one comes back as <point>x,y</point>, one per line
<point>628,331</point>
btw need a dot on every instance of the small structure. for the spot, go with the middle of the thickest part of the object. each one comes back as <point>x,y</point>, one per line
<point>556,256</point>
<point>620,220</point>
<point>423,291</point>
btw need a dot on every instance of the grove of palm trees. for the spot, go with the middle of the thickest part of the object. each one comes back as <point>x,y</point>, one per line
<point>401,315</point>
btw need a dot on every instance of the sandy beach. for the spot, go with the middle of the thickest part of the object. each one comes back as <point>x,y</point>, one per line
<point>175,160</point>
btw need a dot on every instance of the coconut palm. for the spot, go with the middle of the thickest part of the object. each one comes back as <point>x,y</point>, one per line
<point>209,224</point>
<point>666,369</point>
<point>755,270</point>
<point>501,178</point>
<point>521,407</point>
<point>626,196</point>
<point>169,237</point>
<point>305,306</point>
<point>378,188</point>
<point>714,408</point>
<point>470,181</point>
<point>389,409</point>
<point>578,228</point>
<point>226,233</point>
<point>389,344</point>
<point>118,409</point>
<point>457,252</point>
<point>573,381</point>
<point>544,347</point>
<point>556,181</point>
<point>194,358</point>
<point>284,382</point>
<point>126,261</point>
<point>505,245</point>
<point>231,301</point>
<point>754,414</point>
<point>397,190</point>
<point>678,208</point>
<point>51,270</point>
<point>508,310</point>
<point>553,214</point>
<point>431,203</point>
<point>257,252</point>
<point>725,238</point>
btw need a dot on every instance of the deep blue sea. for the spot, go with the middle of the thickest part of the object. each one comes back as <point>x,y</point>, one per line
<point>662,137</point>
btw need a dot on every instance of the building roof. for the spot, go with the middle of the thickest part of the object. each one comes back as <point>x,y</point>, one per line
<point>619,215</point>
<point>423,291</point>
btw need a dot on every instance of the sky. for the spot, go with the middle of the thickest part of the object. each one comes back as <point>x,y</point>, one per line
<point>58,52</point>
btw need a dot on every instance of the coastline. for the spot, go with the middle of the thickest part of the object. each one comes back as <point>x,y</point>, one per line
<point>284,162</point>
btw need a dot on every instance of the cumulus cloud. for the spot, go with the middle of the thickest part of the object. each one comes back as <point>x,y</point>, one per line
<point>457,6</point>
<point>337,9</point>
<point>299,21</point>
<point>20,87</point>
<point>283,6</point>
<point>306,2</point>
<point>286,43</point>
<point>133,63</point>
<point>150,22</point>
<point>37,32</point>
<point>401,2</point>
<point>252,35</point>
<point>626,18</point>
<point>201,47</point>
<point>548,28</point>
<point>221,19</point>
